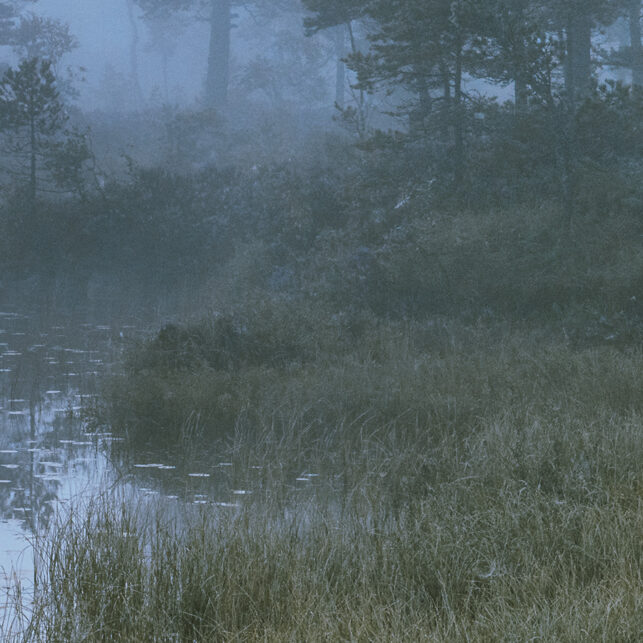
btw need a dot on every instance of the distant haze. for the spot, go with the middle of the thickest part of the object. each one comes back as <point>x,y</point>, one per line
<point>104,33</point>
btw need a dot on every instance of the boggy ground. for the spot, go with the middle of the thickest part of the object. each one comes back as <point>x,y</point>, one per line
<point>493,494</point>
<point>480,471</point>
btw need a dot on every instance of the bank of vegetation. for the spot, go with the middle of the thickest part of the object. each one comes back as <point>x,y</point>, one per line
<point>484,484</point>
<point>467,387</point>
<point>462,370</point>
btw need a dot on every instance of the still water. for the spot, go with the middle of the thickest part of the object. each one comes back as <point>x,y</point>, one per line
<point>47,377</point>
<point>49,460</point>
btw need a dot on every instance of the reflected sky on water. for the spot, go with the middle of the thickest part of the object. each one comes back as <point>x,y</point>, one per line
<point>47,376</point>
<point>49,460</point>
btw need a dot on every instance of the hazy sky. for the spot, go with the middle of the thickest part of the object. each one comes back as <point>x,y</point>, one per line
<point>100,25</point>
<point>104,32</point>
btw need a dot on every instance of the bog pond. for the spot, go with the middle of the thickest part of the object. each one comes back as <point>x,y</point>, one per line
<point>50,459</point>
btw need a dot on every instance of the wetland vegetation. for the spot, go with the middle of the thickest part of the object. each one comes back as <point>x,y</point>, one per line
<point>489,490</point>
<point>472,474</point>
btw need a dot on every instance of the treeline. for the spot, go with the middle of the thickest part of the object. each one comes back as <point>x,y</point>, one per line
<point>371,229</point>
<point>468,203</point>
<point>427,56</point>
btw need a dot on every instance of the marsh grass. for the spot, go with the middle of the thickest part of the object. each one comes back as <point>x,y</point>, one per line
<point>479,470</point>
<point>443,376</point>
<point>473,487</point>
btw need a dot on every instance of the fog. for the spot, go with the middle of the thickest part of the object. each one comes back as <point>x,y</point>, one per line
<point>105,33</point>
<point>320,320</point>
<point>483,107</point>
<point>108,32</point>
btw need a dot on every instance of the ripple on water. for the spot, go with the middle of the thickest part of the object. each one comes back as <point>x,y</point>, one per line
<point>159,467</point>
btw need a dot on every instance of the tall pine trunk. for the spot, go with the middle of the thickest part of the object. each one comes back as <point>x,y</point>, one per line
<point>33,143</point>
<point>340,71</point>
<point>578,85</point>
<point>578,63</point>
<point>634,10</point>
<point>216,88</point>
<point>361,107</point>
<point>134,54</point>
<point>520,94</point>
<point>458,124</point>
<point>520,84</point>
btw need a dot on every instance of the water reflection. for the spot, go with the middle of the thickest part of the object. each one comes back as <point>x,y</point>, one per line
<point>48,460</point>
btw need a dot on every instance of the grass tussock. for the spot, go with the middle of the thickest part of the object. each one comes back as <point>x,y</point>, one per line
<point>441,375</point>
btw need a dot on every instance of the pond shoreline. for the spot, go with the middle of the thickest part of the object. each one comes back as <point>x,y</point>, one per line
<point>434,482</point>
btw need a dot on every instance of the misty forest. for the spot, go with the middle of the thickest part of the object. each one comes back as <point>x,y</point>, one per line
<point>321,320</point>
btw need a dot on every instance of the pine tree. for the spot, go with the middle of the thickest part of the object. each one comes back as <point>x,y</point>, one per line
<point>423,46</point>
<point>32,122</point>
<point>636,50</point>
<point>341,16</point>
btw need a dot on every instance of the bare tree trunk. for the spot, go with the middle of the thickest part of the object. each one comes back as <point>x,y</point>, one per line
<point>459,117</point>
<point>133,53</point>
<point>32,163</point>
<point>578,85</point>
<point>520,85</point>
<point>417,118</point>
<point>445,77</point>
<point>216,88</point>
<point>164,67</point>
<point>520,94</point>
<point>635,42</point>
<point>569,173</point>
<point>446,82</point>
<point>340,73</point>
<point>578,64</point>
<point>361,106</point>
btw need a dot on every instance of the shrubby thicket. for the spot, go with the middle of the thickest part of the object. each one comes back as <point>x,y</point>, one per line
<point>297,237</point>
<point>424,197</point>
<point>379,226</point>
